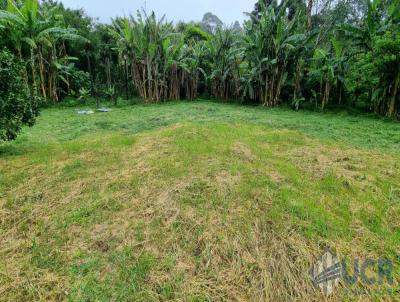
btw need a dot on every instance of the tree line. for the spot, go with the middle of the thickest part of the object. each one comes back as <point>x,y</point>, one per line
<point>295,52</point>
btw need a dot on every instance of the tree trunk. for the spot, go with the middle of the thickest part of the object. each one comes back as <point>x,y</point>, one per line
<point>340,96</point>
<point>35,87</point>
<point>108,72</point>
<point>53,75</point>
<point>325,99</point>
<point>126,78</point>
<point>92,79</point>
<point>392,105</point>
<point>309,13</point>
<point>42,76</point>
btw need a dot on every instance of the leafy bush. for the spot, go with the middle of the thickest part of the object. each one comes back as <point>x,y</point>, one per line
<point>79,80</point>
<point>16,107</point>
<point>110,93</point>
<point>84,94</point>
<point>195,33</point>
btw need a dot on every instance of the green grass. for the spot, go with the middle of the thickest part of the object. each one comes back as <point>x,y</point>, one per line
<point>63,124</point>
<point>194,201</point>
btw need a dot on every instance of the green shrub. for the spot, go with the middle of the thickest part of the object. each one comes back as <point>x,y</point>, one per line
<point>79,80</point>
<point>84,94</point>
<point>16,107</point>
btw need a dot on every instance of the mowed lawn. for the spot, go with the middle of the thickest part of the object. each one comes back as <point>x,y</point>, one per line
<point>195,201</point>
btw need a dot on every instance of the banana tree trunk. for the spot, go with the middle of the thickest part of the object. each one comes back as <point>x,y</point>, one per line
<point>42,76</point>
<point>126,71</point>
<point>54,75</point>
<point>392,105</point>
<point>325,99</point>
<point>108,72</point>
<point>309,13</point>
<point>266,90</point>
<point>33,67</point>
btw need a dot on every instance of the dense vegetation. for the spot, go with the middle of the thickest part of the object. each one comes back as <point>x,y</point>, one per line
<point>297,52</point>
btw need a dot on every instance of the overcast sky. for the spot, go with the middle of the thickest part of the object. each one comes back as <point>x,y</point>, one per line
<point>176,10</point>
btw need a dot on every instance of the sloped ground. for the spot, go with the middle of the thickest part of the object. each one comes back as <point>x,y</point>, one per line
<point>195,202</point>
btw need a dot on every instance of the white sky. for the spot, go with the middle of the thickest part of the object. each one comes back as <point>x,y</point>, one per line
<point>175,10</point>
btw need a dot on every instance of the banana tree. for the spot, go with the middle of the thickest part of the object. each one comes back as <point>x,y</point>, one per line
<point>269,43</point>
<point>339,62</point>
<point>172,49</point>
<point>190,64</point>
<point>362,34</point>
<point>27,26</point>
<point>323,72</point>
<point>329,69</point>
<point>225,54</point>
<point>123,33</point>
<point>39,33</point>
<point>375,60</point>
<point>140,40</point>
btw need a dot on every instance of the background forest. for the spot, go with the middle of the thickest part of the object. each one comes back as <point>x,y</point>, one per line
<point>300,53</point>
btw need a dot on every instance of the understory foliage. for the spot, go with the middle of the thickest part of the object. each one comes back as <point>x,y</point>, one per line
<point>297,52</point>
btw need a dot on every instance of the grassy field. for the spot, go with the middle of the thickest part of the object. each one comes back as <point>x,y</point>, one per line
<point>195,201</point>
